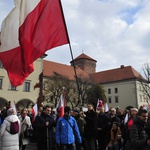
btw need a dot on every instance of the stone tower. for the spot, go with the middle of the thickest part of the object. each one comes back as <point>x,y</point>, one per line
<point>85,63</point>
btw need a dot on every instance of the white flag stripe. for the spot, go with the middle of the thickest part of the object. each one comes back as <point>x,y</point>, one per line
<point>13,21</point>
<point>97,103</point>
<point>35,108</point>
<point>106,107</point>
<point>13,105</point>
<point>126,118</point>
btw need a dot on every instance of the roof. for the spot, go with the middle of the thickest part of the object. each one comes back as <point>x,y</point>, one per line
<point>118,74</point>
<point>84,56</point>
<point>51,68</point>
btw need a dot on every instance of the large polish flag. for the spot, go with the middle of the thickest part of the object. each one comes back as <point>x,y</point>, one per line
<point>29,30</point>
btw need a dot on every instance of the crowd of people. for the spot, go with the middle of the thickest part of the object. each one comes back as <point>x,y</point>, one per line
<point>94,129</point>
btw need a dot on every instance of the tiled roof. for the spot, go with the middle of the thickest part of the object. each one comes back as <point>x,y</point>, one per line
<point>118,74</point>
<point>50,68</point>
<point>84,56</point>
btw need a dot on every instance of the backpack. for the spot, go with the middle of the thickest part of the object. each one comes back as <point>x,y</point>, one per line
<point>14,127</point>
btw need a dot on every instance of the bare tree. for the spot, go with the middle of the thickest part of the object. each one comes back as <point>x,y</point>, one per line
<point>55,86</point>
<point>146,82</point>
<point>76,96</point>
<point>84,85</point>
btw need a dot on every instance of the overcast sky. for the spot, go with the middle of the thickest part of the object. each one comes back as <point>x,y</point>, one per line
<point>113,32</point>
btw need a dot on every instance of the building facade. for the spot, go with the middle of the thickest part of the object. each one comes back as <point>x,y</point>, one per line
<point>122,85</point>
<point>24,95</point>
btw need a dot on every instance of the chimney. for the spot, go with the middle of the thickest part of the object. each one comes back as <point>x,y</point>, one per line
<point>122,66</point>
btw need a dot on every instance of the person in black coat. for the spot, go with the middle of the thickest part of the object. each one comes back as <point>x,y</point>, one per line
<point>148,125</point>
<point>44,129</point>
<point>101,128</point>
<point>90,128</point>
<point>138,137</point>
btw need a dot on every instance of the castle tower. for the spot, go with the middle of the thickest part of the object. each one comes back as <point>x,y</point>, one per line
<point>85,63</point>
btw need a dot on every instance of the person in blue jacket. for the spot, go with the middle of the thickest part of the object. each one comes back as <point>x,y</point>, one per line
<point>67,131</point>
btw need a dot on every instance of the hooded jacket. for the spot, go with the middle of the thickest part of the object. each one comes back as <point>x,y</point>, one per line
<point>8,140</point>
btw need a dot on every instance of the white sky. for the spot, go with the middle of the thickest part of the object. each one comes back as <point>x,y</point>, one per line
<point>113,32</point>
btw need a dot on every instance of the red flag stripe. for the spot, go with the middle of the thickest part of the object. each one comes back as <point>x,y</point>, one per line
<point>46,31</point>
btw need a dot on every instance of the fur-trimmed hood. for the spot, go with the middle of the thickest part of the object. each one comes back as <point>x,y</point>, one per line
<point>12,118</point>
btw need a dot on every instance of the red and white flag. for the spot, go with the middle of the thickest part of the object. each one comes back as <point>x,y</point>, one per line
<point>34,112</point>
<point>99,103</point>
<point>126,118</point>
<point>106,107</point>
<point>60,106</point>
<point>30,29</point>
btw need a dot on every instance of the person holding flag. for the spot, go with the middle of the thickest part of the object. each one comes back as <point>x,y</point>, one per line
<point>44,129</point>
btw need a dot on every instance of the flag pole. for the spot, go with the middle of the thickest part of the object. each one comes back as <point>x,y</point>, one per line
<point>40,98</point>
<point>76,77</point>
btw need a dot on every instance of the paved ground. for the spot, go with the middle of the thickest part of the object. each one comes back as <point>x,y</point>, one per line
<point>31,146</point>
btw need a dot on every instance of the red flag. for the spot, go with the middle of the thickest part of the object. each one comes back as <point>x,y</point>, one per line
<point>99,103</point>
<point>31,28</point>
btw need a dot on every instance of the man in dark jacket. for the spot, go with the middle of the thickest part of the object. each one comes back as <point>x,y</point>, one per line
<point>148,125</point>
<point>138,137</point>
<point>90,128</point>
<point>101,128</point>
<point>44,129</point>
<point>80,122</point>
